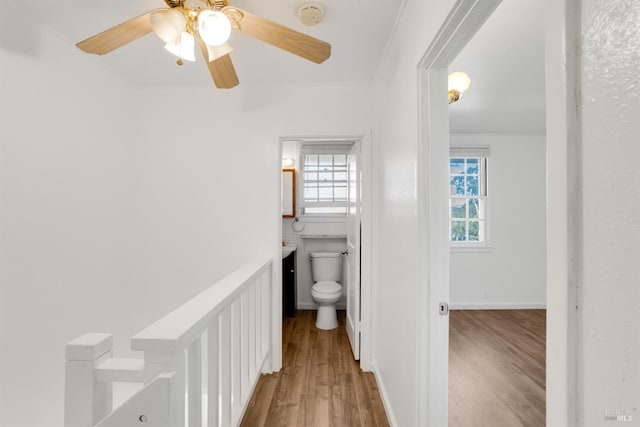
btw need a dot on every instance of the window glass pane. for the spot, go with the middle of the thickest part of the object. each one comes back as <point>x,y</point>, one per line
<point>472,185</point>
<point>473,166</point>
<point>457,185</point>
<point>326,160</point>
<point>310,193</point>
<point>456,165</point>
<point>324,182</point>
<point>458,230</point>
<point>474,231</point>
<point>325,176</point>
<point>467,204</point>
<point>340,194</point>
<point>474,206</point>
<point>325,194</point>
<point>458,208</point>
<point>340,159</point>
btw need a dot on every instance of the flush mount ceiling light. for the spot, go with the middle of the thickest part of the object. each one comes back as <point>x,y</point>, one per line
<point>459,82</point>
<point>207,23</point>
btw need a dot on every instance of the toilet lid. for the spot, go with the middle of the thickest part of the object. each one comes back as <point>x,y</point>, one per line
<point>327,287</point>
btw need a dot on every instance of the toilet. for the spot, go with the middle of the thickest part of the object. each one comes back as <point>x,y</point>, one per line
<point>326,270</point>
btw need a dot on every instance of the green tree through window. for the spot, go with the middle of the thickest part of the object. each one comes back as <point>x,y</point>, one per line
<point>468,192</point>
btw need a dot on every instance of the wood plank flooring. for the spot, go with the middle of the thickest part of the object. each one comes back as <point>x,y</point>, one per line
<point>319,385</point>
<point>497,368</point>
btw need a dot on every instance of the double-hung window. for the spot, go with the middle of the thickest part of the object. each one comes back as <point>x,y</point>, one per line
<point>324,179</point>
<point>468,196</point>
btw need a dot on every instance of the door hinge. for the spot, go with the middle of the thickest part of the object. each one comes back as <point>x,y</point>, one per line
<point>443,308</point>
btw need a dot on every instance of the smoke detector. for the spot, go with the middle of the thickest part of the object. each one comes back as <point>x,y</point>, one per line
<point>310,14</point>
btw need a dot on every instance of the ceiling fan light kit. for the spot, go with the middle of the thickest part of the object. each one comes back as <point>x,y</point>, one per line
<point>168,25</point>
<point>209,23</point>
<point>185,49</point>
<point>214,27</point>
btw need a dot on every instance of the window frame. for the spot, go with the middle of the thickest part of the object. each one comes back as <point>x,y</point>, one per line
<point>319,149</point>
<point>482,153</point>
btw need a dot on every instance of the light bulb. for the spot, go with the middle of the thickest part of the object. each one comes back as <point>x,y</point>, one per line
<point>459,81</point>
<point>185,49</point>
<point>214,27</point>
<point>168,25</point>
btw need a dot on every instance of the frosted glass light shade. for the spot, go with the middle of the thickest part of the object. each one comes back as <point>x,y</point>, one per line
<point>214,27</point>
<point>459,81</point>
<point>215,52</point>
<point>185,49</point>
<point>168,25</point>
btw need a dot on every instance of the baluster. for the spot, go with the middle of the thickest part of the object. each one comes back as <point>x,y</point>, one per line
<point>194,373</point>
<point>259,319</point>
<point>252,330</point>
<point>213,373</point>
<point>236,337</point>
<point>266,318</point>
<point>225,367</point>
<point>245,344</point>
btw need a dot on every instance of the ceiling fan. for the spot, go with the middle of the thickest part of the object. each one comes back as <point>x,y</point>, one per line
<point>207,23</point>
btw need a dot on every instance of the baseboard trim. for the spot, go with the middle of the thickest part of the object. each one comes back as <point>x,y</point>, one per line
<point>385,399</point>
<point>497,306</point>
<point>314,306</point>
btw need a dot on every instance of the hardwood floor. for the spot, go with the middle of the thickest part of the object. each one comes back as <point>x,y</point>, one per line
<point>319,385</point>
<point>497,368</point>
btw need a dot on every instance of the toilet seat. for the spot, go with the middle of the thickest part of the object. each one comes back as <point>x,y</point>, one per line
<point>327,287</point>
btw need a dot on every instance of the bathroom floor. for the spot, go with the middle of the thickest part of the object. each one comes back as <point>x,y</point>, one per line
<point>319,385</point>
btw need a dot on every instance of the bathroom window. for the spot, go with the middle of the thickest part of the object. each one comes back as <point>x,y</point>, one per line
<point>324,181</point>
<point>468,197</point>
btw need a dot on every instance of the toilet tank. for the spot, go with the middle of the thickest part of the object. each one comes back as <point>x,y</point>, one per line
<point>326,266</point>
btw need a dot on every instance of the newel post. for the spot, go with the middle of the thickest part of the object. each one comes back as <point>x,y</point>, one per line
<point>86,401</point>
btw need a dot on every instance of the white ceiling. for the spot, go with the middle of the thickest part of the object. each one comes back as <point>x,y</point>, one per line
<point>357,30</point>
<point>505,61</point>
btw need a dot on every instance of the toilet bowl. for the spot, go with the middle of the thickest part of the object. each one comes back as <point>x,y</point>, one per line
<point>326,295</point>
<point>326,270</point>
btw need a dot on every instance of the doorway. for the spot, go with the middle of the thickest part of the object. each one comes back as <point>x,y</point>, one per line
<point>354,230</point>
<point>497,177</point>
<point>466,17</point>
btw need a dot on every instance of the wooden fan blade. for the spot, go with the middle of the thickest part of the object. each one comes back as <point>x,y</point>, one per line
<point>118,36</point>
<point>280,36</point>
<point>221,69</point>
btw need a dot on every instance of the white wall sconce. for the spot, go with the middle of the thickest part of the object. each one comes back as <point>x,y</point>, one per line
<point>288,162</point>
<point>459,82</point>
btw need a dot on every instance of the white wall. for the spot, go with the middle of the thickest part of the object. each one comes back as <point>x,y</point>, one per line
<point>66,165</point>
<point>610,310</point>
<point>119,203</point>
<point>395,209</point>
<point>511,272</point>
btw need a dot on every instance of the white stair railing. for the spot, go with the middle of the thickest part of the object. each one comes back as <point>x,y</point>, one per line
<point>201,361</point>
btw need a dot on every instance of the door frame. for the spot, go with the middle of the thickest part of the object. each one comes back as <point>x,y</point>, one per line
<point>366,239</point>
<point>563,183</point>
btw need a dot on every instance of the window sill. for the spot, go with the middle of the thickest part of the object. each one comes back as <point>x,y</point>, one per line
<point>471,249</point>
<point>323,218</point>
